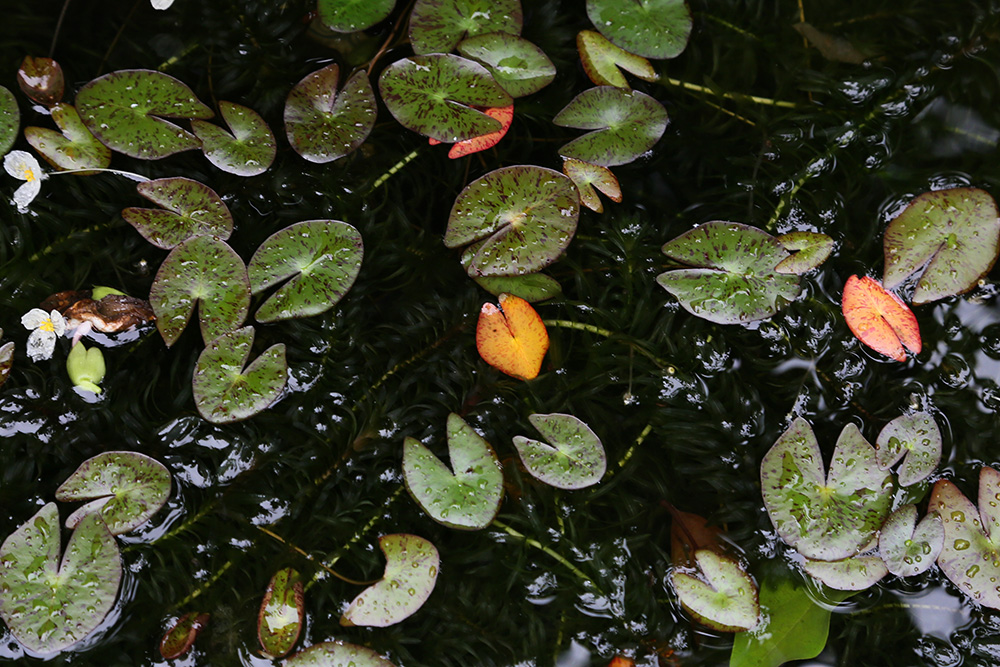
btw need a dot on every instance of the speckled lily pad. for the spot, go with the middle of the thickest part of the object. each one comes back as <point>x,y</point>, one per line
<point>411,571</point>
<point>337,654</point>
<point>625,124</point>
<point>281,613</point>
<point>601,60</point>
<point>41,79</point>
<point>322,124</point>
<point>248,149</point>
<point>181,635</point>
<point>192,209</point>
<point>586,177</point>
<point>10,119</point>
<point>575,457</point>
<point>75,148</point>
<point>909,548</point>
<point>856,573</point>
<point>916,437</point>
<point>352,15</point>
<point>648,28</point>
<point>436,26</point>
<point>532,287</point>
<point>721,595</point>
<point>520,67</point>
<point>810,250</point>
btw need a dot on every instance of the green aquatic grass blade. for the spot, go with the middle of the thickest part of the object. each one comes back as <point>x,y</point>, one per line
<point>337,654</point>
<point>48,604</point>
<point>626,124</point>
<point>437,26</point>
<point>75,148</point>
<point>532,287</point>
<point>918,438</point>
<point>520,67</point>
<point>126,109</point>
<point>601,60</point>
<point>42,80</point>
<point>648,28</point>
<point>282,612</point>
<point>573,457</point>
<point>810,250</point>
<point>434,95</point>
<point>125,488</point>
<point>908,548</point>
<point>226,389</point>
<point>248,149</point>
<point>411,570</point>
<point>352,15</point>
<point>323,124</point>
<point>10,120</point>
<point>192,209</point>
<point>720,594</point>
<point>319,259</point>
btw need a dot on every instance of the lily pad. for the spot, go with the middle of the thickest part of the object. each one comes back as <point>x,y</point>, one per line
<point>337,654</point>
<point>733,279</point>
<point>437,26</point>
<point>824,517</point>
<point>225,389</point>
<point>248,149</point>
<point>6,360</point>
<point>181,635</point>
<point>971,553</point>
<point>476,144</point>
<point>50,605</point>
<point>601,60</point>
<point>723,597</point>
<point>520,219</point>
<point>574,460</point>
<point>810,250</point>
<point>955,233</point>
<point>319,259</point>
<point>352,15</point>
<point>411,571</point>
<point>916,437</point>
<point>192,209</point>
<point>649,28</point>
<point>281,614</point>
<point>41,79</point>
<point>586,177</point>
<point>125,110</point>
<point>10,119</point>
<point>907,548</point>
<point>202,270</point>
<point>879,318</point>
<point>125,488</point>
<point>467,499</point>
<point>512,337</point>
<point>626,124</point>
<point>75,148</point>
<point>435,95</point>
<point>856,573</point>
<point>520,67</point>
<point>323,125</point>
<point>532,287</point>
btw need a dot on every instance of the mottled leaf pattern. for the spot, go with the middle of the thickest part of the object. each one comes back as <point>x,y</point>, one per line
<point>649,28</point>
<point>856,573</point>
<point>323,125</point>
<point>75,148</point>
<point>532,287</point>
<point>626,124</point>
<point>192,209</point>
<point>352,15</point>
<point>720,594</point>
<point>41,79</point>
<point>601,60</point>
<point>411,570</point>
<point>337,654</point>
<point>181,635</point>
<point>575,457</point>
<point>10,119</point>
<point>520,67</point>
<point>908,548</point>
<point>810,250</point>
<point>586,177</point>
<point>282,612</point>
<point>916,437</point>
<point>436,26</point>
<point>248,149</point>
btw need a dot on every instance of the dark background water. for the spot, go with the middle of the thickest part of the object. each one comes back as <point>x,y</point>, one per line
<point>322,467</point>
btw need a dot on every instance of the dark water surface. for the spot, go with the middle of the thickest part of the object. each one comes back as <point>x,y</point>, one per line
<point>321,469</point>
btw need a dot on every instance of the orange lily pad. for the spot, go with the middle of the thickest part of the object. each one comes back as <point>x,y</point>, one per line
<point>503,114</point>
<point>879,318</point>
<point>511,337</point>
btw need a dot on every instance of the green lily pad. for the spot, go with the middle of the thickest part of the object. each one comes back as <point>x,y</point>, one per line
<point>125,488</point>
<point>723,597</point>
<point>916,437</point>
<point>10,120</point>
<point>6,360</point>
<point>601,60</point>
<point>970,557</point>
<point>907,548</point>
<point>125,110</point>
<point>626,124</point>
<point>50,605</point>
<point>206,272</point>
<point>248,149</point>
<point>437,26</point>
<point>352,15</point>
<point>856,573</point>
<point>520,219</point>
<point>586,177</point>
<point>532,287</point>
<point>520,67</point>
<point>225,389</point>
<point>574,460</point>
<point>75,148</point>
<point>337,654</point>
<point>434,95</point>
<point>281,614</point>
<point>193,209</point>
<point>810,250</point>
<point>322,125</point>
<point>955,233</point>
<point>733,279</point>
<point>181,635</point>
<point>41,79</point>
<point>320,260</point>
<point>824,517</point>
<point>411,571</point>
<point>648,28</point>
<point>467,499</point>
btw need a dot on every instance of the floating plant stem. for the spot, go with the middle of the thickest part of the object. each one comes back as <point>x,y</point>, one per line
<point>728,96</point>
<point>551,553</point>
<point>312,559</point>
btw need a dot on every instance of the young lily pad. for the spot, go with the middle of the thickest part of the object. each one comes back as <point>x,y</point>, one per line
<point>856,573</point>
<point>125,488</point>
<point>225,389</point>
<point>202,270</point>
<point>250,148</point>
<point>41,79</point>
<point>532,287</point>
<point>50,605</point>
<point>520,219</point>
<point>810,250</point>
<point>824,517</point>
<point>435,95</point>
<point>411,571</point>
<point>467,499</point>
<point>916,437</point>
<point>626,124</point>
<point>75,148</point>
<point>955,233</point>
<point>6,360</point>
<point>10,119</point>
<point>586,177</point>
<point>733,278</point>
<point>649,28</point>
<point>322,125</point>
<point>520,67</point>
<point>337,654</point>
<point>437,26</point>
<point>574,460</point>
<point>879,318</point>
<point>281,614</point>
<point>601,60</point>
<point>724,597</point>
<point>909,549</point>
<point>181,635</point>
<point>192,209</point>
<point>319,259</point>
<point>971,553</point>
<point>352,15</point>
<point>125,110</point>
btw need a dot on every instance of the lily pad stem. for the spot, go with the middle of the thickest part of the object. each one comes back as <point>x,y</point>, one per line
<point>550,552</point>
<point>310,557</point>
<point>138,178</point>
<point>728,96</point>
<point>590,328</point>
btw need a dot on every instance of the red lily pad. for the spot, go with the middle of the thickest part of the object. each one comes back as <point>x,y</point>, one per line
<point>879,319</point>
<point>503,114</point>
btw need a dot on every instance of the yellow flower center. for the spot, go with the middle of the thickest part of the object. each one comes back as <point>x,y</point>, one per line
<point>47,325</point>
<point>29,175</point>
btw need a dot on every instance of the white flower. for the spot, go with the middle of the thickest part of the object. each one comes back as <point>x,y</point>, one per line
<point>161,4</point>
<point>25,167</point>
<point>47,328</point>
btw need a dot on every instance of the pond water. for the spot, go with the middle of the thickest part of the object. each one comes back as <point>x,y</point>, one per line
<point>764,130</point>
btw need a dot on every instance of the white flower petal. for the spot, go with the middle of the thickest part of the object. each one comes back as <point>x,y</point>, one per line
<point>161,4</point>
<point>25,194</point>
<point>41,344</point>
<point>34,318</point>
<point>58,323</point>
<point>17,163</point>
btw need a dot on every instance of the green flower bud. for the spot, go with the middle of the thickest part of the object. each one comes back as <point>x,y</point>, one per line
<point>86,367</point>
